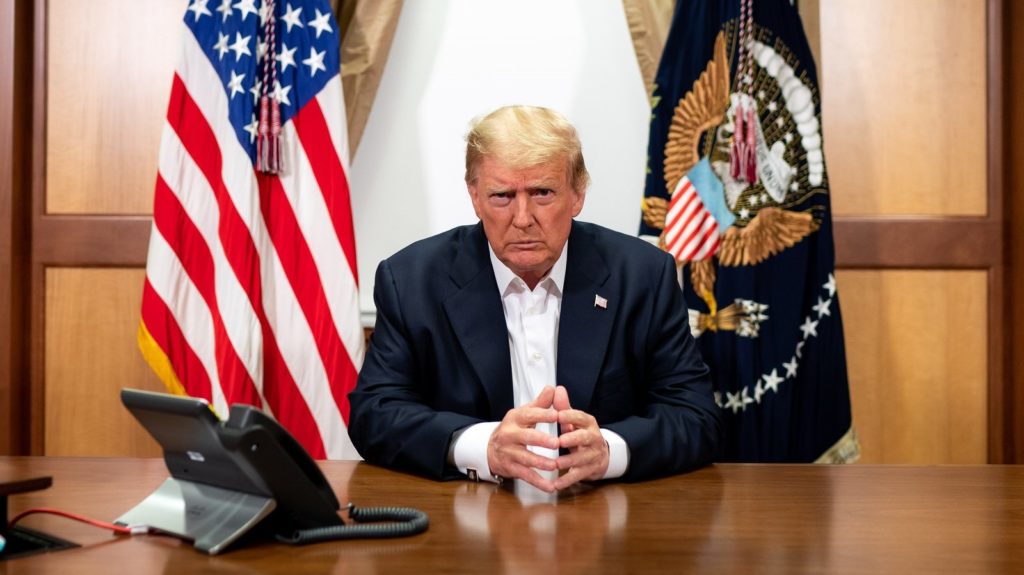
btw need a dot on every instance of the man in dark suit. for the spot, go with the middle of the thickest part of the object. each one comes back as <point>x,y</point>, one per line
<point>529,345</point>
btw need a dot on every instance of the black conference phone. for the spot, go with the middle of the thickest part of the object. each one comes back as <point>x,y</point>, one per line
<point>243,475</point>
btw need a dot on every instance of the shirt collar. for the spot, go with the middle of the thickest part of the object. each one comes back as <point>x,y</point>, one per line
<point>504,276</point>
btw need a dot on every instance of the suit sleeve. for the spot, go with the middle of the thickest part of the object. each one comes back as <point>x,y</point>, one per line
<point>391,423</point>
<point>679,426</point>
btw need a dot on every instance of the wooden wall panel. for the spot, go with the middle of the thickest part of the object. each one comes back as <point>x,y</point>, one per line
<point>916,345</point>
<point>91,319</point>
<point>15,130</point>
<point>110,65</point>
<point>1014,129</point>
<point>904,105</point>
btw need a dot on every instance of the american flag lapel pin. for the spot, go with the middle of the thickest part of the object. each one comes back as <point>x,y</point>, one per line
<point>600,302</point>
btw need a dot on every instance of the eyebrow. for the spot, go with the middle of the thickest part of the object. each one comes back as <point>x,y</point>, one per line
<point>541,185</point>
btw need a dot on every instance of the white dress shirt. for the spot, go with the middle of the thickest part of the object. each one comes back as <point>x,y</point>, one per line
<point>532,321</point>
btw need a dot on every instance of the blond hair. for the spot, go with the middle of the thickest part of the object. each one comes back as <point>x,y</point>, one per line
<point>523,137</point>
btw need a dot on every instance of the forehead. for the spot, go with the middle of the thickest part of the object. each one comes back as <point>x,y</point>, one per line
<point>553,173</point>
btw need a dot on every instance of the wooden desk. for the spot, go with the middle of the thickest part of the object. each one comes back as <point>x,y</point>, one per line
<point>731,518</point>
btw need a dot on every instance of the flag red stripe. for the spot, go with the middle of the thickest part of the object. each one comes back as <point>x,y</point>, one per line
<point>689,205</point>
<point>311,127</point>
<point>160,324</point>
<point>287,405</point>
<point>283,396</point>
<point>195,134</point>
<point>709,240</point>
<point>681,197</point>
<point>691,231</point>
<point>701,235</point>
<point>304,277</point>
<point>188,244</point>
<point>692,211</point>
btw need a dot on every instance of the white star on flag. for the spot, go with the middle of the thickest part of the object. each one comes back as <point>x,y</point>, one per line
<point>809,328</point>
<point>315,61</point>
<point>246,7</point>
<point>286,56</point>
<point>772,380</point>
<point>291,17</point>
<point>321,23</point>
<point>822,307</point>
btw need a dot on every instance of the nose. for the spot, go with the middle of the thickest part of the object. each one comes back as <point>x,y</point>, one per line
<point>522,215</point>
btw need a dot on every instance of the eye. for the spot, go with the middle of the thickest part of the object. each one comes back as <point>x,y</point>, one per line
<point>542,195</point>
<point>500,198</point>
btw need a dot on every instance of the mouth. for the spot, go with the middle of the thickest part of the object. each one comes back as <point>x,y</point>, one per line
<point>525,245</point>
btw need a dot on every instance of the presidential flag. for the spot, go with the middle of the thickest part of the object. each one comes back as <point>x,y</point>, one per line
<point>736,118</point>
<point>251,288</point>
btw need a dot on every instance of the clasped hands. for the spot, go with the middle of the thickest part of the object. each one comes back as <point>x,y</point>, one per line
<point>508,456</point>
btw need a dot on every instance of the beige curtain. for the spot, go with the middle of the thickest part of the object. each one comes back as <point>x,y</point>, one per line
<point>367,27</point>
<point>649,21</point>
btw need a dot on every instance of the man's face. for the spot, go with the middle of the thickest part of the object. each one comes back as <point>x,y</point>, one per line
<point>526,212</point>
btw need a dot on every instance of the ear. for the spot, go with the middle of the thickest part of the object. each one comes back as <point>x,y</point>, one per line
<point>577,201</point>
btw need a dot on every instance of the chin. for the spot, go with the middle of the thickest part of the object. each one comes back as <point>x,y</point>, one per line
<point>532,266</point>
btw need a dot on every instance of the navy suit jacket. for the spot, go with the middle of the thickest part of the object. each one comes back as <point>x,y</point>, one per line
<point>439,356</point>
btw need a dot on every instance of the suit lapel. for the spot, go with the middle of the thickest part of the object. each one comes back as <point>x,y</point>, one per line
<point>478,320</point>
<point>584,327</point>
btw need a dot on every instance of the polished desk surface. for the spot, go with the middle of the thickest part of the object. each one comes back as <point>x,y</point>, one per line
<point>724,518</point>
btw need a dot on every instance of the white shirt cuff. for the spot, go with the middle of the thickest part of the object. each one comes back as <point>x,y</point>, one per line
<point>618,454</point>
<point>470,450</point>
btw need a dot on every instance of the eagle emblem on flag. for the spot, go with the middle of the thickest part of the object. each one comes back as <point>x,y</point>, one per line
<point>737,192</point>
<point>753,223</point>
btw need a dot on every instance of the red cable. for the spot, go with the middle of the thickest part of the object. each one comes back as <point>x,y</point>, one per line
<point>120,529</point>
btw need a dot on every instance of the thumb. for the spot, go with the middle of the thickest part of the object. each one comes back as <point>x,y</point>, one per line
<point>544,398</point>
<point>561,399</point>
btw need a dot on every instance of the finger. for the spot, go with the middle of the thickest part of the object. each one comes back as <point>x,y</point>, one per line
<point>544,398</point>
<point>580,438</point>
<point>561,398</point>
<point>525,458</point>
<point>506,451</point>
<point>526,473</point>
<point>583,451</point>
<point>574,460</point>
<point>592,470</point>
<point>535,479</point>
<point>577,419</point>
<point>569,478</point>
<point>531,436</point>
<point>527,416</point>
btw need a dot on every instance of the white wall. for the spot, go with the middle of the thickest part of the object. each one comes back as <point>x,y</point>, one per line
<point>453,60</point>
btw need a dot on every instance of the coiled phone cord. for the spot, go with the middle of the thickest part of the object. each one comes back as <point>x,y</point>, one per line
<point>400,522</point>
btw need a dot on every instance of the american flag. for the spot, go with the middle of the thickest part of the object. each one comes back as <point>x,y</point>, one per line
<point>691,232</point>
<point>251,294</point>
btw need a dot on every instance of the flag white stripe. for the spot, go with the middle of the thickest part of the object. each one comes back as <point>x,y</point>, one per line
<point>709,243</point>
<point>695,221</point>
<point>678,228</point>
<point>686,205</point>
<point>303,362</point>
<point>332,102</point>
<point>693,241</point>
<point>180,173</point>
<point>338,281</point>
<point>188,307</point>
